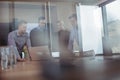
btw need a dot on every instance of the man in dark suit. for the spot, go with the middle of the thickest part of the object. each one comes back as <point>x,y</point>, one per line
<point>39,35</point>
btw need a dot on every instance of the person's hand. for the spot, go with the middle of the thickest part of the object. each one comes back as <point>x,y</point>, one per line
<point>21,60</point>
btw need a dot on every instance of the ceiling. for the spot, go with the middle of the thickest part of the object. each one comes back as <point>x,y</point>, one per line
<point>92,2</point>
<point>84,2</point>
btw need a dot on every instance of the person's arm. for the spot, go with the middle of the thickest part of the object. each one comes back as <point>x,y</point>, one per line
<point>28,46</point>
<point>28,43</point>
<point>71,40</point>
<point>11,42</point>
<point>70,45</point>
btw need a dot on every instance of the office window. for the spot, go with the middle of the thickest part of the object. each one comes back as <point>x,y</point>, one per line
<point>113,24</point>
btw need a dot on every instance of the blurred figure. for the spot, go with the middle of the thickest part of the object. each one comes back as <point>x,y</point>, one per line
<point>60,26</point>
<point>63,36</point>
<point>19,38</point>
<point>66,56</point>
<point>55,35</point>
<point>74,32</point>
<point>64,70</point>
<point>39,35</point>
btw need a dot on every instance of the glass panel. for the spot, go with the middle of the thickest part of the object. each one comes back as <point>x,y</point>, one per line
<point>30,12</point>
<point>35,14</point>
<point>113,24</point>
<point>61,25</point>
<point>91,28</point>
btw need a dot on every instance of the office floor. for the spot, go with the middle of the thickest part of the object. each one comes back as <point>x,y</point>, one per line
<point>98,68</point>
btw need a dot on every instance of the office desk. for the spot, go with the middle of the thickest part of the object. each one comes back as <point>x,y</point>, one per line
<point>100,68</point>
<point>29,70</point>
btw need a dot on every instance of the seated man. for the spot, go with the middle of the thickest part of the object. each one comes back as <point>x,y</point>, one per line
<point>18,39</point>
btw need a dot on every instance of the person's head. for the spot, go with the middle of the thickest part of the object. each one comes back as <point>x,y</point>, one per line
<point>22,26</point>
<point>41,21</point>
<point>73,19</point>
<point>60,26</point>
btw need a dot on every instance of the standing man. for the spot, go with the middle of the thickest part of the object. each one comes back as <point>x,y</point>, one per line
<point>19,38</point>
<point>39,35</point>
<point>74,32</point>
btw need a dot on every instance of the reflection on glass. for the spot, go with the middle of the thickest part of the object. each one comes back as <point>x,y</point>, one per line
<point>113,24</point>
<point>33,13</point>
<point>4,58</point>
<point>8,57</point>
<point>60,12</point>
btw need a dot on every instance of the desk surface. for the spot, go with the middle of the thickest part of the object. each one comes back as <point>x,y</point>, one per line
<point>99,68</point>
<point>22,71</point>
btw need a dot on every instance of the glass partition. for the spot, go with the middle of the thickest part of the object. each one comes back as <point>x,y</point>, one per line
<point>113,24</point>
<point>30,12</point>
<point>62,27</point>
<point>64,20</point>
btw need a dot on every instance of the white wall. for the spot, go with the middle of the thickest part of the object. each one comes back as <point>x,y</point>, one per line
<point>29,11</point>
<point>4,12</point>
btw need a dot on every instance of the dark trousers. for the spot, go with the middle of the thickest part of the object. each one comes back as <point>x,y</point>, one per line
<point>20,53</point>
